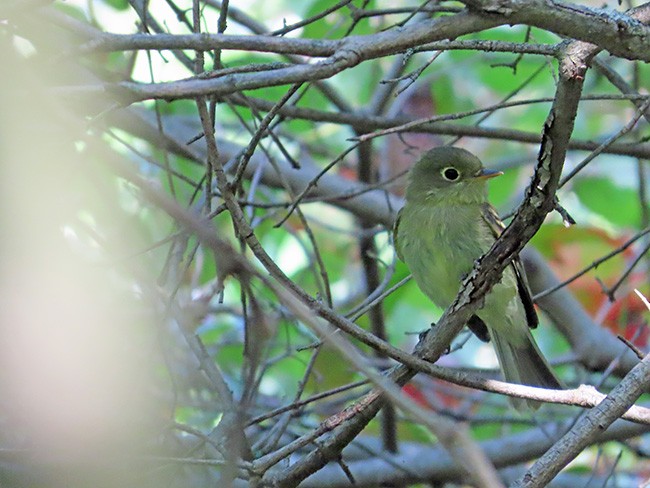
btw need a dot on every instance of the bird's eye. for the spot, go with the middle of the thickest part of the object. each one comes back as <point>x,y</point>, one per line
<point>450,174</point>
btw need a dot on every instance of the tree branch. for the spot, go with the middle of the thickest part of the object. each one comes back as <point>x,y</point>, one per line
<point>618,33</point>
<point>588,428</point>
<point>622,34</point>
<point>431,464</point>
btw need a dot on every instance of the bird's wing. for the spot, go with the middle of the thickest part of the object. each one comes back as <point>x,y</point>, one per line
<point>478,328</point>
<point>495,224</point>
<point>395,232</point>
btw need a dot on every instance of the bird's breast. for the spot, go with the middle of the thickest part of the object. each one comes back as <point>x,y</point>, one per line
<point>440,245</point>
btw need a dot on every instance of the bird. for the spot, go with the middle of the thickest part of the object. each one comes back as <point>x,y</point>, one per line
<point>445,225</point>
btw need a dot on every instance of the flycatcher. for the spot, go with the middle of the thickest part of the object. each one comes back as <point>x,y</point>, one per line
<point>444,227</point>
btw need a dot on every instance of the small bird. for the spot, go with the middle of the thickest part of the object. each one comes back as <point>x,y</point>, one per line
<point>444,227</point>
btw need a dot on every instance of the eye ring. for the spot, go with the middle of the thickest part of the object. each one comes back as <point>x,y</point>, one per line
<point>450,173</point>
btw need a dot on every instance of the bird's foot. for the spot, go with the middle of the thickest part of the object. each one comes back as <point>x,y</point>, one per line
<point>424,333</point>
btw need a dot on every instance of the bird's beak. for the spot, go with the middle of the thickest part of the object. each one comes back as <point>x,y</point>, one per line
<point>485,174</point>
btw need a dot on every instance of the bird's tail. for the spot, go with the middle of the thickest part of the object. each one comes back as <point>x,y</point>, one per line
<point>523,363</point>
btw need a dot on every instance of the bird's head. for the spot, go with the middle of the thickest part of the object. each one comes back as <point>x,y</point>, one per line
<point>448,173</point>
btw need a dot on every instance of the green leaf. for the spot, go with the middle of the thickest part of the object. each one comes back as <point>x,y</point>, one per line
<point>502,188</point>
<point>118,4</point>
<point>618,205</point>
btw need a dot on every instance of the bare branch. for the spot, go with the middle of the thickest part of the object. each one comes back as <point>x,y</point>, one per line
<point>619,33</point>
<point>431,464</point>
<point>589,427</point>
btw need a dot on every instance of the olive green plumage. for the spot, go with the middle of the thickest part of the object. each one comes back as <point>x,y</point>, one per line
<point>444,227</point>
